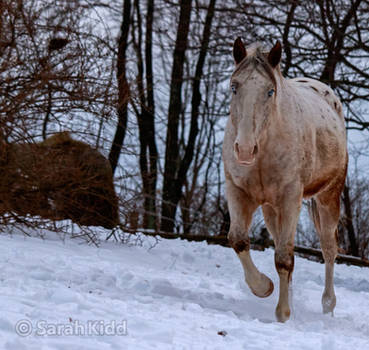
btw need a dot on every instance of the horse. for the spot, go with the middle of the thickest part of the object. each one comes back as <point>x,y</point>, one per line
<point>285,141</point>
<point>59,178</point>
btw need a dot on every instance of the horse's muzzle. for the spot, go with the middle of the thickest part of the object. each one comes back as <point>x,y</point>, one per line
<point>245,155</point>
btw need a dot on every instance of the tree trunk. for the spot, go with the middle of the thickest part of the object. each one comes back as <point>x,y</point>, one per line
<point>336,42</point>
<point>172,191</point>
<point>170,197</point>
<point>150,204</point>
<point>286,44</point>
<point>123,88</point>
<point>146,116</point>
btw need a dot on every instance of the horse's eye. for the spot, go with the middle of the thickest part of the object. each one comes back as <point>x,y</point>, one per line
<point>270,92</point>
<point>234,88</point>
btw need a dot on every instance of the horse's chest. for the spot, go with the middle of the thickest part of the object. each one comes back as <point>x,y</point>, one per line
<point>265,178</point>
<point>264,185</point>
<point>250,180</point>
<point>246,179</point>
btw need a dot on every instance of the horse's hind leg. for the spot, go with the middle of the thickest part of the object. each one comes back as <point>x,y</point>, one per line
<point>326,212</point>
<point>241,208</point>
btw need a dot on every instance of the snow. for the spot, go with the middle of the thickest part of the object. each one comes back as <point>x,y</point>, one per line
<point>172,295</point>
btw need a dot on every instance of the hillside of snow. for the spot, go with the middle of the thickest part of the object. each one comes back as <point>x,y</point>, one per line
<point>173,295</point>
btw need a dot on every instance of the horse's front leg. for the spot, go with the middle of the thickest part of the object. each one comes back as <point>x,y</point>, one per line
<point>241,207</point>
<point>281,221</point>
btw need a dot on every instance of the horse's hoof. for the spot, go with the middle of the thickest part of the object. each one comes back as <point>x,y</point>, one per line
<point>266,288</point>
<point>282,315</point>
<point>328,303</point>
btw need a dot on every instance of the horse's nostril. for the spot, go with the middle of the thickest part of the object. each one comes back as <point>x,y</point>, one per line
<point>236,149</point>
<point>255,150</point>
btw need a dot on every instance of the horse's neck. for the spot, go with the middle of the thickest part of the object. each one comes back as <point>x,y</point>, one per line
<point>283,120</point>
<point>287,103</point>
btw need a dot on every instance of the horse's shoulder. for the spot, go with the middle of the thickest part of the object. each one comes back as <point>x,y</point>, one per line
<point>321,89</point>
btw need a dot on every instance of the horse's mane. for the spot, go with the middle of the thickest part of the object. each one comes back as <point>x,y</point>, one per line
<point>257,55</point>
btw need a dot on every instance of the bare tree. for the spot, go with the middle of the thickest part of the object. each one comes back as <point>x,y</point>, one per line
<point>56,74</point>
<point>54,69</point>
<point>176,167</point>
<point>123,87</point>
<point>145,112</point>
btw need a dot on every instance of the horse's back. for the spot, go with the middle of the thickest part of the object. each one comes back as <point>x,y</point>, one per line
<point>325,136</point>
<point>320,89</point>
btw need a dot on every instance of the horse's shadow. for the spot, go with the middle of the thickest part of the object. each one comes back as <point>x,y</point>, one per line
<point>251,307</point>
<point>248,308</point>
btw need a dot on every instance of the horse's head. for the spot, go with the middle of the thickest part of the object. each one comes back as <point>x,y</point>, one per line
<point>254,90</point>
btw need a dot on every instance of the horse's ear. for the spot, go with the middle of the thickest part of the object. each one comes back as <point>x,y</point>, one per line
<point>239,50</point>
<point>275,54</point>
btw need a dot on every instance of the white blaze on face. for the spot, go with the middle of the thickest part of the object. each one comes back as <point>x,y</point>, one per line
<point>249,107</point>
<point>245,146</point>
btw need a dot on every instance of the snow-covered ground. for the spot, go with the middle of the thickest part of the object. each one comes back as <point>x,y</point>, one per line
<point>176,295</point>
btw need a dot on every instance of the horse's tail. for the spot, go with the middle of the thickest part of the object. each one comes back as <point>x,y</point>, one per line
<point>314,213</point>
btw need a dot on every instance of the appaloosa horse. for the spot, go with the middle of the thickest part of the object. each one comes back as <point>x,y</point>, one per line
<point>285,140</point>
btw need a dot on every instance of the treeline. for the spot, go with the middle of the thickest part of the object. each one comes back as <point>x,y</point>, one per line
<point>147,83</point>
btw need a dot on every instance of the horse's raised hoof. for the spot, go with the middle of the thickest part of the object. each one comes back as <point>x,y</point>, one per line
<point>264,288</point>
